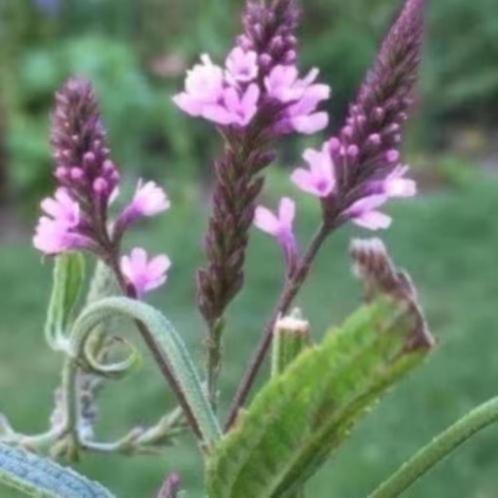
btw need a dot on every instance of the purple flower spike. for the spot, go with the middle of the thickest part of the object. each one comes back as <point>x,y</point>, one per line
<point>281,227</point>
<point>361,169</point>
<point>319,180</point>
<point>77,216</point>
<point>143,274</point>
<point>256,98</point>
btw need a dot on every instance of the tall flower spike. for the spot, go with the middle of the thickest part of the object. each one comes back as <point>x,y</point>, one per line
<point>77,215</point>
<point>375,121</point>
<point>256,98</point>
<point>365,156</point>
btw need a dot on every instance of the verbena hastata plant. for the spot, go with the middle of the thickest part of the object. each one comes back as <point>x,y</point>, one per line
<point>272,444</point>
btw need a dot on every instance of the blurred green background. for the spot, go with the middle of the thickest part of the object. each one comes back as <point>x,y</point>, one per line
<point>135,52</point>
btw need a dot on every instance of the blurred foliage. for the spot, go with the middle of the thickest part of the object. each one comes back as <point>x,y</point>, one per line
<point>136,51</point>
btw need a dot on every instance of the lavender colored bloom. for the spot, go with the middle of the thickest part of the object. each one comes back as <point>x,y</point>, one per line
<point>302,97</point>
<point>235,107</point>
<point>319,180</point>
<point>204,86</point>
<point>149,200</point>
<point>145,274</point>
<point>280,226</point>
<point>364,213</point>
<point>241,66</point>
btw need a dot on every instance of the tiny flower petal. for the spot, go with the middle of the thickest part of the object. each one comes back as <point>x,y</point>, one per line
<point>203,86</point>
<point>145,275</point>
<point>242,66</point>
<point>53,238</point>
<point>319,180</point>
<point>280,226</point>
<point>150,199</point>
<point>310,124</point>
<point>364,213</point>
<point>266,221</point>
<point>395,185</point>
<point>373,220</point>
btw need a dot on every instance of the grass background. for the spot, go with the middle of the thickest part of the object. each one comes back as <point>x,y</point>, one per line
<point>447,240</point>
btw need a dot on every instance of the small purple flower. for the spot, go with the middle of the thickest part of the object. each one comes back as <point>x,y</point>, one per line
<point>57,229</point>
<point>149,200</point>
<point>241,66</point>
<point>203,87</point>
<point>319,180</point>
<point>395,185</point>
<point>302,97</point>
<point>235,107</point>
<point>364,213</point>
<point>145,275</point>
<point>280,226</point>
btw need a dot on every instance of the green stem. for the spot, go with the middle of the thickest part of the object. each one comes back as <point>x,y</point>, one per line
<point>438,449</point>
<point>214,361</point>
<point>70,393</point>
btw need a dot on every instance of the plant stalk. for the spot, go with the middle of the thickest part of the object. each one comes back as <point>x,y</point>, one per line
<point>289,292</point>
<point>444,444</point>
<point>158,356</point>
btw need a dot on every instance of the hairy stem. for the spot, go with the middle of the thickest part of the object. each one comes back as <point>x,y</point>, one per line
<point>157,354</point>
<point>71,399</point>
<point>438,449</point>
<point>289,292</point>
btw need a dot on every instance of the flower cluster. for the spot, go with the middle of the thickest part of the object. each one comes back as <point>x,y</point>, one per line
<point>355,173</point>
<point>233,96</point>
<point>77,216</point>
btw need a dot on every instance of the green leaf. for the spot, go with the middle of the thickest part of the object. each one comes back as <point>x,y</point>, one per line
<point>302,415</point>
<point>42,478</point>
<point>68,280</point>
<point>166,339</point>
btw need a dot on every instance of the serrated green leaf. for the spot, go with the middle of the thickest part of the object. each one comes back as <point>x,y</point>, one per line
<point>166,339</point>
<point>43,478</point>
<point>68,281</point>
<point>301,416</point>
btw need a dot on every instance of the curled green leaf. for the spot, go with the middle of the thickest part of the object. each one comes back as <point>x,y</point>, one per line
<point>68,281</point>
<point>43,478</point>
<point>167,340</point>
<point>115,369</point>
